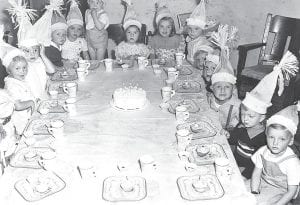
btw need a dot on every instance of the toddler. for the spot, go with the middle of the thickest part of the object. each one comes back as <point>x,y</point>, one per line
<point>276,176</point>
<point>97,21</point>
<point>210,64</point>
<point>130,49</point>
<point>58,38</point>
<point>165,43</point>
<point>200,55</point>
<point>197,26</point>
<point>18,89</point>
<point>75,46</point>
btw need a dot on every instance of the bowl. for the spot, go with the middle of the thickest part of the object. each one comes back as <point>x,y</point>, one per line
<point>202,150</point>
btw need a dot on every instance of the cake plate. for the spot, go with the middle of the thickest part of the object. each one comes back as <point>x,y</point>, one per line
<point>133,109</point>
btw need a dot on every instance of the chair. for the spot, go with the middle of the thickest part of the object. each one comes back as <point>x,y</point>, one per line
<point>182,19</point>
<point>280,34</point>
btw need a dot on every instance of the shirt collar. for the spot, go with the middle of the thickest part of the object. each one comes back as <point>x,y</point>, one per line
<point>55,45</point>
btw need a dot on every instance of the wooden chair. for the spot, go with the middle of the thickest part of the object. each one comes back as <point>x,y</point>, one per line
<point>280,34</point>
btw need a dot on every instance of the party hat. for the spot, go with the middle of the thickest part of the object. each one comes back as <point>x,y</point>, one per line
<point>9,52</point>
<point>162,11</point>
<point>288,117</point>
<point>74,16</point>
<point>44,27</point>
<point>199,46</point>
<point>224,39</point>
<point>6,104</point>
<point>22,17</point>
<point>259,99</point>
<point>130,18</point>
<point>199,18</point>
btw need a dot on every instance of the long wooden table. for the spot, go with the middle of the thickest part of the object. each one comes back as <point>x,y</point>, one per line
<point>106,137</point>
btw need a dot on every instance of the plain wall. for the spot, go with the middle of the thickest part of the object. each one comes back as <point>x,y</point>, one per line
<point>248,16</point>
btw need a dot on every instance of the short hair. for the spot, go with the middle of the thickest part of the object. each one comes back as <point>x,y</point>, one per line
<point>279,127</point>
<point>14,60</point>
<point>140,40</point>
<point>166,18</point>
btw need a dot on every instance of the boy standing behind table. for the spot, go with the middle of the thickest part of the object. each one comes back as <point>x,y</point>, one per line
<point>197,26</point>
<point>96,20</point>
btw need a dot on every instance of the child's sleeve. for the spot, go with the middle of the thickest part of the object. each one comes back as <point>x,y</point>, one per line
<point>84,46</point>
<point>291,166</point>
<point>103,18</point>
<point>256,157</point>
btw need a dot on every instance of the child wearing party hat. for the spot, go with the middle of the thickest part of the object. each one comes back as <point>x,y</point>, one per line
<point>16,86</point>
<point>54,27</point>
<point>96,20</point>
<point>165,43</point>
<point>197,26</point>
<point>131,48</point>
<point>75,45</point>
<point>200,53</point>
<point>276,176</point>
<point>223,81</point>
<point>38,64</point>
<point>210,64</point>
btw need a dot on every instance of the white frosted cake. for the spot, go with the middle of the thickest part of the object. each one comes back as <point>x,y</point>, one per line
<point>129,98</point>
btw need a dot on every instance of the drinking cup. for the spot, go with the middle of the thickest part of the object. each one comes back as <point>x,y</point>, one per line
<point>142,62</point>
<point>172,73</point>
<point>56,128</point>
<point>179,58</point>
<point>70,106</point>
<point>83,65</point>
<point>167,93</point>
<point>147,164</point>
<point>71,89</point>
<point>82,75</point>
<point>108,64</point>
<point>184,138</point>
<point>223,168</point>
<point>182,114</point>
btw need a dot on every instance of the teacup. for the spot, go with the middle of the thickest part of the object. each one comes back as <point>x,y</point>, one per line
<point>172,73</point>
<point>142,62</point>
<point>179,58</point>
<point>70,106</point>
<point>167,93</point>
<point>56,128</point>
<point>108,64</point>
<point>223,168</point>
<point>182,114</point>
<point>82,74</point>
<point>70,88</point>
<point>184,138</point>
<point>53,94</point>
<point>147,163</point>
<point>83,65</point>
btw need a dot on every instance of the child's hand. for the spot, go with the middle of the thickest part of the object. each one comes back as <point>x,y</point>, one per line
<point>225,133</point>
<point>42,50</point>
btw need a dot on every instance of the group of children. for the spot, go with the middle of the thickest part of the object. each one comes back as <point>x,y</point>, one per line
<point>261,147</point>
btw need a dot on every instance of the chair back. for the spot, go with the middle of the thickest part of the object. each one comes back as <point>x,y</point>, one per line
<point>281,33</point>
<point>182,19</point>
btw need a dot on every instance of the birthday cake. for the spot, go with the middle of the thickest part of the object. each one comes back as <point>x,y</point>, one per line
<point>129,98</point>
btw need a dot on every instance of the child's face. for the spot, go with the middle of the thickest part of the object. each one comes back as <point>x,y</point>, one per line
<point>132,34</point>
<point>95,4</point>
<point>222,90</point>
<point>59,36</point>
<point>208,70</point>
<point>194,32</point>
<point>278,140</point>
<point>18,70</point>
<point>250,118</point>
<point>74,31</point>
<point>199,59</point>
<point>31,53</point>
<point>165,28</point>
